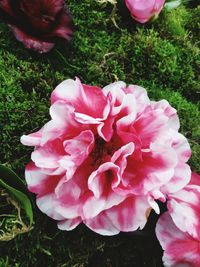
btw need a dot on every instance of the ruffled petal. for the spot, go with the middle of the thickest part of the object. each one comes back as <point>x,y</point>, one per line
<point>154,170</point>
<point>169,111</point>
<point>181,177</point>
<point>184,208</point>
<point>90,104</point>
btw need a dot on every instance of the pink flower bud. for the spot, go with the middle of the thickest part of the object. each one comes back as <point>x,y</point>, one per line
<point>144,10</point>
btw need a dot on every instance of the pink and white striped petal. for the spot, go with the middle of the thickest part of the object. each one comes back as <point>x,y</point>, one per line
<point>129,215</point>
<point>184,208</point>
<point>89,102</point>
<point>180,179</point>
<point>169,111</point>
<point>180,249</point>
<point>38,182</point>
<point>152,172</point>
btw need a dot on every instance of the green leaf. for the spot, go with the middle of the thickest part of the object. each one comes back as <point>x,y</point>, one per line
<point>173,4</point>
<point>16,187</point>
<point>12,179</point>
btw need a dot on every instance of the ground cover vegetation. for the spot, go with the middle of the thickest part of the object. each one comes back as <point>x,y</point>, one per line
<point>108,45</point>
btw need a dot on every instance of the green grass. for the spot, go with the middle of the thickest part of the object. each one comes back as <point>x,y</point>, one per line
<point>164,57</point>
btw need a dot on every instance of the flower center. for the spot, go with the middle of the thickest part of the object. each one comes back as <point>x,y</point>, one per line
<point>102,151</point>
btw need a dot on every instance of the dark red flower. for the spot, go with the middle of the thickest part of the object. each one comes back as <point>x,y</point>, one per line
<point>38,23</point>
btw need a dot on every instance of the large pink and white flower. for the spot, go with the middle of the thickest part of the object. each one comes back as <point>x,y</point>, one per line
<point>106,156</point>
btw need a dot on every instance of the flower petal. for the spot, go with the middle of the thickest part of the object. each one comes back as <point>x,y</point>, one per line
<point>184,208</point>
<point>31,42</point>
<point>180,249</point>
<point>38,182</point>
<point>32,139</point>
<point>87,100</point>
<point>129,215</point>
<point>180,179</point>
<point>48,204</point>
<point>69,224</point>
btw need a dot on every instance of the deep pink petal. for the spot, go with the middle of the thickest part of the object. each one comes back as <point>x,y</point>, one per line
<point>68,194</point>
<point>195,179</point>
<point>114,92</point>
<point>105,129</point>
<point>31,42</point>
<point>34,7</point>
<point>120,102</point>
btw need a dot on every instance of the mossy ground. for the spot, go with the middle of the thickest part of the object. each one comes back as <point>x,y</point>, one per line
<point>164,57</point>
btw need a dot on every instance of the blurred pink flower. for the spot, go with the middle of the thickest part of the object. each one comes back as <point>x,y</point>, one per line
<point>38,23</point>
<point>144,10</point>
<point>106,156</point>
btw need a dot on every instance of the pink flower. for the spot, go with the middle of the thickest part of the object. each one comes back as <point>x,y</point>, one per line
<point>144,10</point>
<point>38,23</point>
<point>179,234</point>
<point>180,248</point>
<point>106,156</point>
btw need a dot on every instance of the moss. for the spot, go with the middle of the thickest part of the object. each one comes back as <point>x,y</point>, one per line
<point>173,22</point>
<point>193,24</point>
<point>163,57</point>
